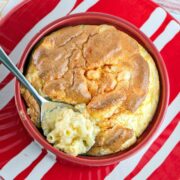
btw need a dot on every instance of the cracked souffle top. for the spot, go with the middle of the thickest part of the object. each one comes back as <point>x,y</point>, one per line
<point>103,68</point>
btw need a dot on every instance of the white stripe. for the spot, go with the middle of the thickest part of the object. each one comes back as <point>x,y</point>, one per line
<point>9,6</point>
<point>21,161</point>
<point>42,167</point>
<point>62,9</point>
<point>6,94</point>
<point>155,20</point>
<point>84,6</point>
<point>161,155</point>
<point>8,91</point>
<point>38,144</point>
<point>167,35</point>
<point>126,166</point>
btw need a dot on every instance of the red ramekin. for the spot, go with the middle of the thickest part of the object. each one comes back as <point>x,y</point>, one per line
<point>121,24</point>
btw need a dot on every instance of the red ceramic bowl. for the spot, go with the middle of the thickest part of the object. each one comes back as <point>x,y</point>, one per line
<point>97,18</point>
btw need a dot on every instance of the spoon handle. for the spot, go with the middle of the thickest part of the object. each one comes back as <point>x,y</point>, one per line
<point>9,65</point>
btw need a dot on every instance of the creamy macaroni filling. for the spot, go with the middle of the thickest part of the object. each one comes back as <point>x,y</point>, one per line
<point>70,131</point>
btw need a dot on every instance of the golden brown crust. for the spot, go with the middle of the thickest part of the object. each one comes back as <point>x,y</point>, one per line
<point>138,85</point>
<point>96,65</point>
<point>80,64</point>
<point>111,139</point>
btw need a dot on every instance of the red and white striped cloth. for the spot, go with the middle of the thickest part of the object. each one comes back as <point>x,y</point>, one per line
<point>23,158</point>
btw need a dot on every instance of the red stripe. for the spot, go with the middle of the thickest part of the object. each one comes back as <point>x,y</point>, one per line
<point>157,144</point>
<point>170,169</point>
<point>131,10</point>
<point>6,151</point>
<point>22,21</point>
<point>77,3</point>
<point>7,79</point>
<point>171,56</point>
<point>69,172</point>
<point>26,172</point>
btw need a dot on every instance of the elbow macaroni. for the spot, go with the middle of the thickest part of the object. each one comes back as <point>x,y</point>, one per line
<point>69,131</point>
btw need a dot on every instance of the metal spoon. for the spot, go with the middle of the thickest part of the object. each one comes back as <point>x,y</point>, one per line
<point>45,105</point>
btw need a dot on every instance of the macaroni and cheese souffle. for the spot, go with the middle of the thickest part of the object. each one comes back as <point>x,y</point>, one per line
<point>106,70</point>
